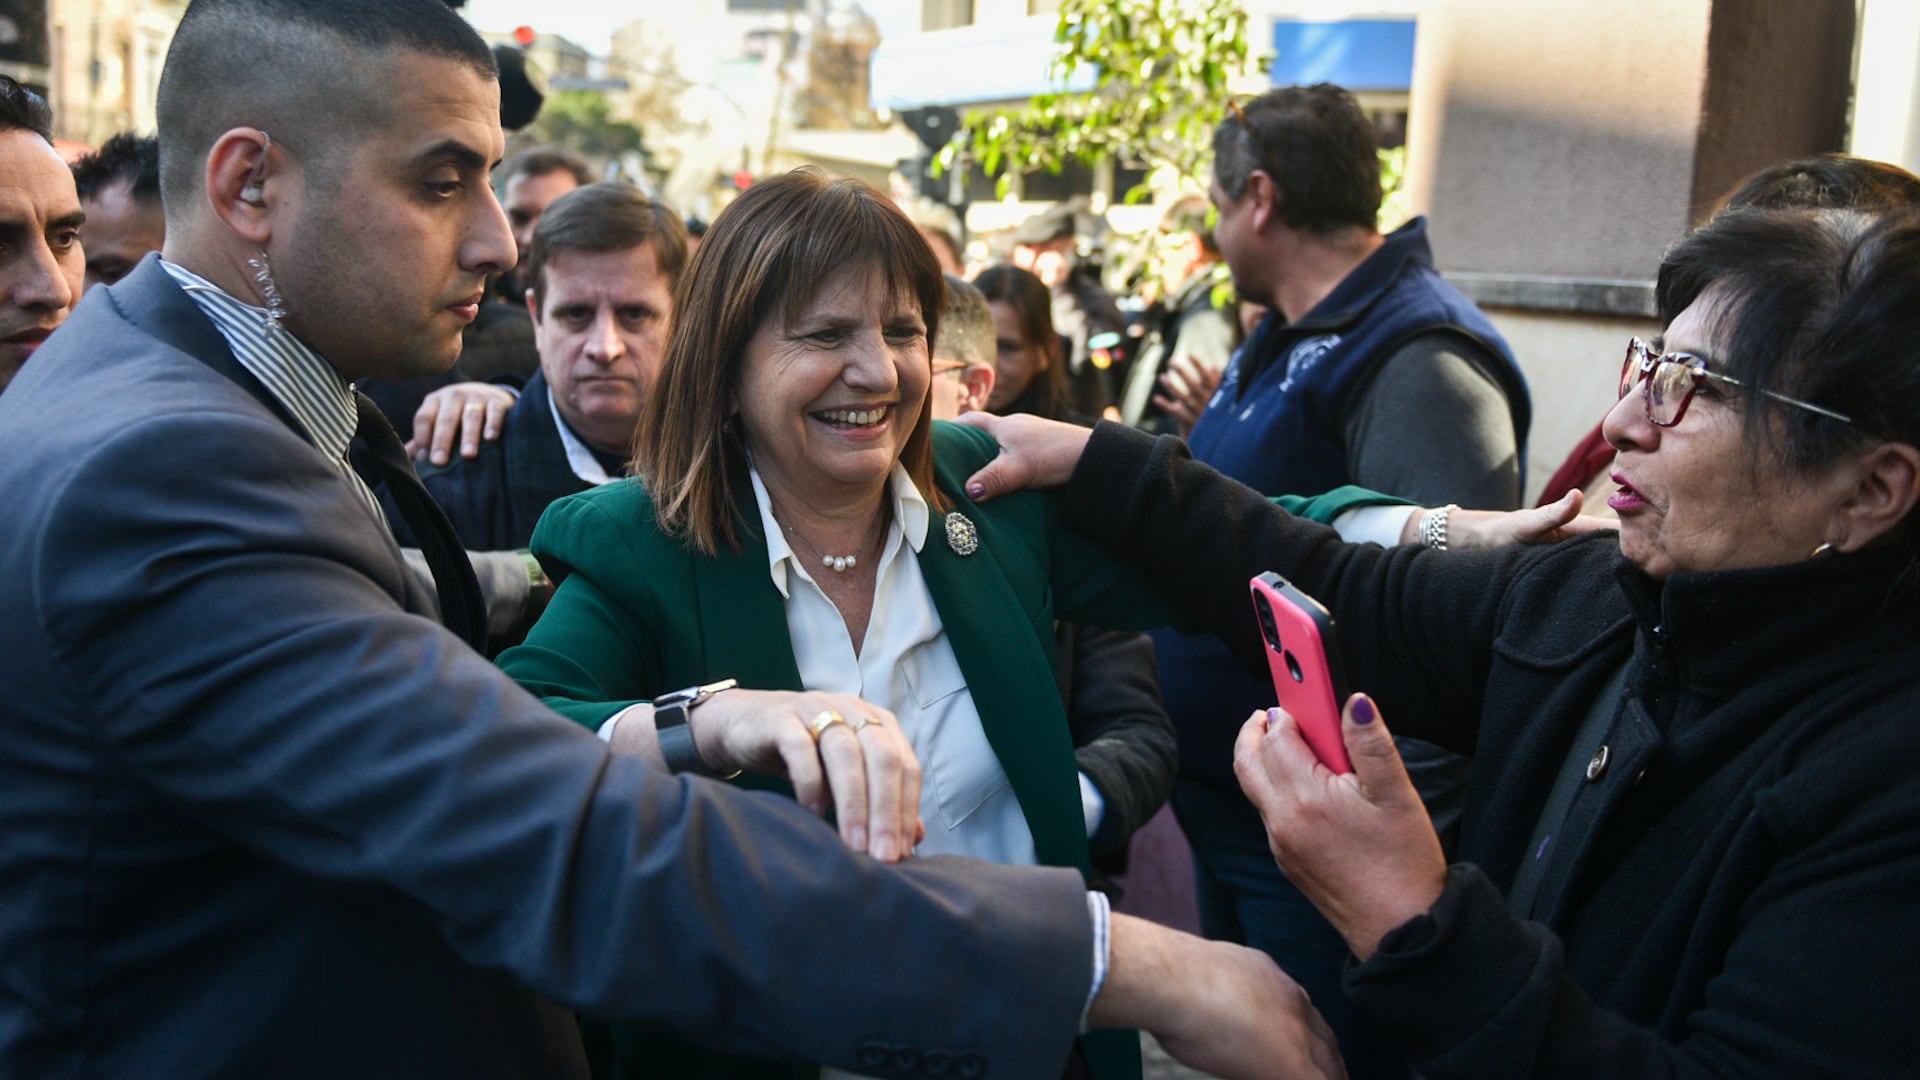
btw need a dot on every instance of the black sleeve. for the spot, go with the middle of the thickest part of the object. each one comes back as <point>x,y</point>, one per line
<point>1123,740</point>
<point>1416,626</point>
<point>1434,426</point>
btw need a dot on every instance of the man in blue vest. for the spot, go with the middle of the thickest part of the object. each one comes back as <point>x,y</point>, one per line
<point>1370,370</point>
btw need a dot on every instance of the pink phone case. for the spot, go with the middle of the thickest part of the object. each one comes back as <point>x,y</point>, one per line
<point>1304,658</point>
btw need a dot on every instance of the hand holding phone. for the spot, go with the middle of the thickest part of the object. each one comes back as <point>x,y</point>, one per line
<point>1303,657</point>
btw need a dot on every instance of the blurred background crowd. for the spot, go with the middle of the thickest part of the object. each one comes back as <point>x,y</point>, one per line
<point>1557,148</point>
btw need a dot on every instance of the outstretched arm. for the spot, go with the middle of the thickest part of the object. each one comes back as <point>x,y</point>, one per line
<point>1224,1009</point>
<point>1484,530</point>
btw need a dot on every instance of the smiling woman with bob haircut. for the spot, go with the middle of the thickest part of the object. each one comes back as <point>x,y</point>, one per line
<point>1691,842</point>
<point>801,526</point>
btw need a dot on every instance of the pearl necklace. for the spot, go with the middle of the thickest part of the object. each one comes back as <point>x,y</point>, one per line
<point>839,564</point>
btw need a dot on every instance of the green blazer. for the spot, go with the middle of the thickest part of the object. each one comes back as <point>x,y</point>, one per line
<point>637,614</point>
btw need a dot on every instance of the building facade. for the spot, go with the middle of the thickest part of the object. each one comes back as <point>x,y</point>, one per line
<point>105,60</point>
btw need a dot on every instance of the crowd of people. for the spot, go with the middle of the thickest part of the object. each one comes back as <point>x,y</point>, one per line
<point>753,650</point>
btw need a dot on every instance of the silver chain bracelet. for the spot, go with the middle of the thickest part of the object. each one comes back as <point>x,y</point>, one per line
<point>1433,526</point>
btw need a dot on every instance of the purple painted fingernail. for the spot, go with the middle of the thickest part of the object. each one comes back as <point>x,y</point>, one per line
<point>976,489</point>
<point>1273,717</point>
<point>1363,711</point>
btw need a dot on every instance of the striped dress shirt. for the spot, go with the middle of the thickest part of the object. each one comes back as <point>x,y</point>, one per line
<point>295,375</point>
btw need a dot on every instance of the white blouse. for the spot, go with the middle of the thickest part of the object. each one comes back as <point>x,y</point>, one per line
<point>906,665</point>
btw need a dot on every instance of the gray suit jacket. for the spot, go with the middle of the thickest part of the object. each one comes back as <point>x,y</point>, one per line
<point>263,818</point>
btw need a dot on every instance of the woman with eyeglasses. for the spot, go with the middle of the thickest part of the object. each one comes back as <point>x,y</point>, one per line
<point>1691,844</point>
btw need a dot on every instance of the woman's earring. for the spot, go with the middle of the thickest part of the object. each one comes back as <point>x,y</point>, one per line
<point>1824,551</point>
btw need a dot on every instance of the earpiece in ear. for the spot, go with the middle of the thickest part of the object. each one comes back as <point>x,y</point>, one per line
<point>254,192</point>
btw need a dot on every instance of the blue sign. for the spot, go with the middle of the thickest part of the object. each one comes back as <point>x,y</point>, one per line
<point>1359,54</point>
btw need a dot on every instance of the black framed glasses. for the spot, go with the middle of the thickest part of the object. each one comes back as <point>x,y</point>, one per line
<point>948,367</point>
<point>1672,378</point>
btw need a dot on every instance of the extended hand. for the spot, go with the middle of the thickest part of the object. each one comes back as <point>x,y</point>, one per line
<point>469,411</point>
<point>1187,386</point>
<point>1549,524</point>
<point>1359,845</point>
<point>1034,453</point>
<point>870,775</point>
<point>1221,1008</point>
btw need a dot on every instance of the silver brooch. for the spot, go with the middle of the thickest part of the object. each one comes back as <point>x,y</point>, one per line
<point>962,537</point>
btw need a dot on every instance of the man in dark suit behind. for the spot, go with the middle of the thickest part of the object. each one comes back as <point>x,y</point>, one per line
<point>601,275</point>
<point>266,818</point>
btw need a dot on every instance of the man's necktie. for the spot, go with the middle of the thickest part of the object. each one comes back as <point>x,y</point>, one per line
<point>462,609</point>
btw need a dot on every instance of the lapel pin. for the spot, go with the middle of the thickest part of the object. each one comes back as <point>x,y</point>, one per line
<point>962,537</point>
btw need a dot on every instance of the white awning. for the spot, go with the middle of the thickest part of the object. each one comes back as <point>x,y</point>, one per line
<point>968,65</point>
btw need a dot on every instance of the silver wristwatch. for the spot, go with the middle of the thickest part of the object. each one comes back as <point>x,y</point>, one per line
<point>670,712</point>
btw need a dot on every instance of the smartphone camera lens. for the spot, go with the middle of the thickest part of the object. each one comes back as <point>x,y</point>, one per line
<point>1293,668</point>
<point>1265,612</point>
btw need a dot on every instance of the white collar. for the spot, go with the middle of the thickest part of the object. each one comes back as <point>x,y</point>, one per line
<point>910,518</point>
<point>579,458</point>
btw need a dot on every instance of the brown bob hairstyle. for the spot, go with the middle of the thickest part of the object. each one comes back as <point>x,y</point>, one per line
<point>765,257</point>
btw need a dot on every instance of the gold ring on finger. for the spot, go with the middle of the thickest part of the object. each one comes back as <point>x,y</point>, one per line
<point>822,722</point>
<point>856,725</point>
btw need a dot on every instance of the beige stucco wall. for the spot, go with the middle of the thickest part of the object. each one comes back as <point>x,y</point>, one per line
<point>1556,138</point>
<point>1779,76</point>
<point>1560,147</point>
<point>1572,364</point>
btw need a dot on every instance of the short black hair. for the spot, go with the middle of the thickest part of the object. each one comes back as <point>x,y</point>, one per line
<point>23,110</point>
<point>607,216</point>
<point>544,160</point>
<point>966,326</point>
<point>1820,305</point>
<point>1319,148</point>
<point>295,69</point>
<point>1830,182</point>
<point>134,159</point>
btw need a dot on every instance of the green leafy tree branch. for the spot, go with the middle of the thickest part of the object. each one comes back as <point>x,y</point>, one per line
<point>1163,72</point>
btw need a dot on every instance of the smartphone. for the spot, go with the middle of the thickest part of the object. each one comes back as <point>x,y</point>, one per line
<point>1303,656</point>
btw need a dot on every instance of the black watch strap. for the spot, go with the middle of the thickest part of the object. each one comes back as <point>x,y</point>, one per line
<point>670,715</point>
<point>676,746</point>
